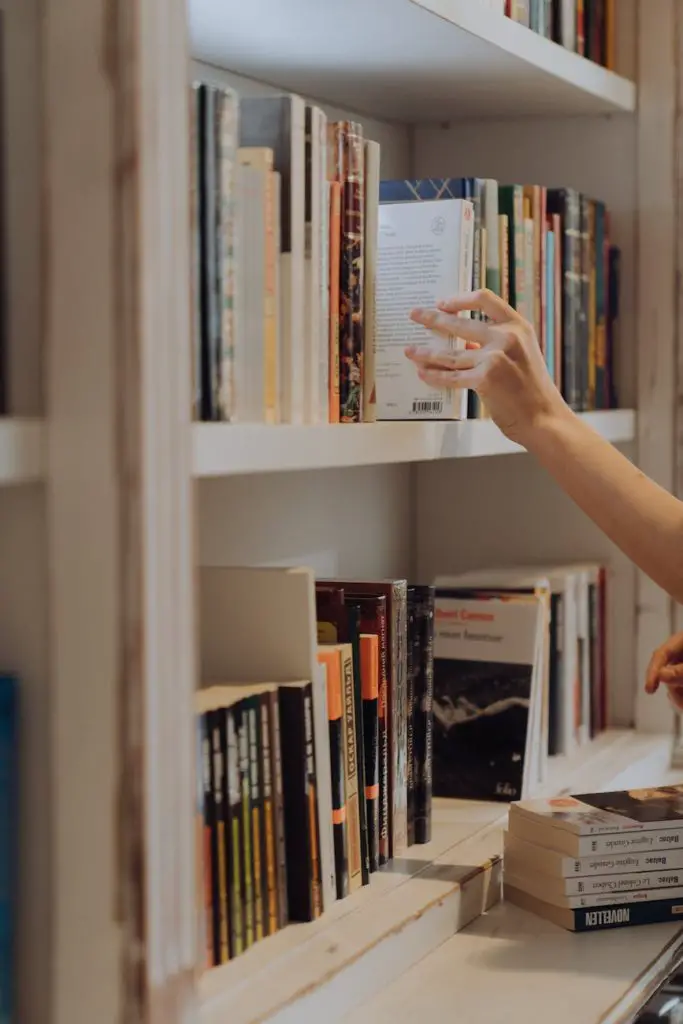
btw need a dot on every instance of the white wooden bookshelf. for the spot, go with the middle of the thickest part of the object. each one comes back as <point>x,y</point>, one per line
<point>22,456</point>
<point>412,60</point>
<point>110,498</point>
<point>330,968</point>
<point>226,450</point>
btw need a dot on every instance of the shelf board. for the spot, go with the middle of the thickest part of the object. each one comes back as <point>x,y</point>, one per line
<point>21,451</point>
<point>326,969</point>
<point>231,449</point>
<point>406,60</point>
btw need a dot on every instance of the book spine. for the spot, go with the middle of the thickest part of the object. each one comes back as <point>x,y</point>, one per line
<point>351,278</point>
<point>234,807</point>
<point>253,718</point>
<point>610,40</point>
<point>271,354</point>
<point>278,799</point>
<point>269,841</point>
<point>372,179</point>
<point>412,664</point>
<point>353,619</point>
<point>550,302</point>
<point>337,775</point>
<point>335,277</point>
<point>423,715</point>
<point>559,299</point>
<point>242,721</point>
<point>637,883</point>
<point>504,256</point>
<point>298,780</point>
<point>312,257</point>
<point>586,920</point>
<point>398,702</point>
<point>218,841</point>
<point>324,279</point>
<point>196,236</point>
<point>600,259</point>
<point>585,305</point>
<point>227,117</point>
<point>634,842</point>
<point>9,848</point>
<point>351,772</point>
<point>210,228</point>
<point>580,28</point>
<point>370,694</point>
<point>312,807</point>
<point>210,905</point>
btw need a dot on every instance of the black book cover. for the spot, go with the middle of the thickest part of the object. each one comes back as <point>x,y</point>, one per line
<point>330,657</point>
<point>370,672</point>
<point>484,652</point>
<point>268,842</point>
<point>212,904</point>
<point>373,611</point>
<point>210,226</point>
<point>233,789</point>
<point>412,669</point>
<point>423,712</point>
<point>278,807</point>
<point>304,893</point>
<point>253,712</point>
<point>555,673</point>
<point>248,909</point>
<point>219,854</point>
<point>354,630</point>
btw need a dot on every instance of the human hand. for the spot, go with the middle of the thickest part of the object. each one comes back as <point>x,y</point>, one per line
<point>503,362</point>
<point>666,668</point>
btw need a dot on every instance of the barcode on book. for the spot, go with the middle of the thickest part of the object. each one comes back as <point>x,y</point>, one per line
<point>427,405</point>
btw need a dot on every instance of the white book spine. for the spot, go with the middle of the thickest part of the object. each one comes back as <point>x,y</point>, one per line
<point>568,19</point>
<point>295,326</point>
<point>458,399</point>
<point>252,362</point>
<point>492,222</point>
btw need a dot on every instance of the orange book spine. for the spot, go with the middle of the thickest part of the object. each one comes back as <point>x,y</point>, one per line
<point>335,269</point>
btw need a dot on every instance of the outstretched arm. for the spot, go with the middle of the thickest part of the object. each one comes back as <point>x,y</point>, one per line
<point>505,366</point>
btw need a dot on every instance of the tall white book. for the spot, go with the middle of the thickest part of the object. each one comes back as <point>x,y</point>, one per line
<point>279,122</point>
<point>425,252</point>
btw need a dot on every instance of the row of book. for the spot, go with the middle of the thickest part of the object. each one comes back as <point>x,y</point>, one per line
<point>306,266</point>
<point>308,787</point>
<point>586,27</point>
<point>545,251</point>
<point>316,779</point>
<point>598,860</point>
<point>520,675</point>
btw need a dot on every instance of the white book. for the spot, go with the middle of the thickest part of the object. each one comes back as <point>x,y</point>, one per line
<point>249,362</point>
<point>525,857</point>
<point>279,122</point>
<point>568,21</point>
<point>425,251</point>
<point>372,179</point>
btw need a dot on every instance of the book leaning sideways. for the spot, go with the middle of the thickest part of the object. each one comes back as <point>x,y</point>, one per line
<point>425,252</point>
<point>603,825</point>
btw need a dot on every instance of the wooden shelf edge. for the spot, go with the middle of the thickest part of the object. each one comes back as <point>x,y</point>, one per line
<point>539,53</point>
<point>22,455</point>
<point>234,449</point>
<point>326,969</point>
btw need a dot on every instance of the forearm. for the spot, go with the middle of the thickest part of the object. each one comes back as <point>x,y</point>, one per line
<point>641,518</point>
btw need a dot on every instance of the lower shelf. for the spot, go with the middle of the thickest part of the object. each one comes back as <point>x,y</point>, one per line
<point>230,449</point>
<point>327,969</point>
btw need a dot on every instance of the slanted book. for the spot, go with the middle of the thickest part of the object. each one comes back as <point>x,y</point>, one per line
<point>425,253</point>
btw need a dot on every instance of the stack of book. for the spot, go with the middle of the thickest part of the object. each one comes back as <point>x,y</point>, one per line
<point>584,26</point>
<point>601,860</point>
<point>520,674</point>
<point>308,786</point>
<point>306,266</point>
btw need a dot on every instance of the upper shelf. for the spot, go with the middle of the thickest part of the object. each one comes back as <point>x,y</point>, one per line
<point>230,450</point>
<point>406,60</point>
<point>21,451</point>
